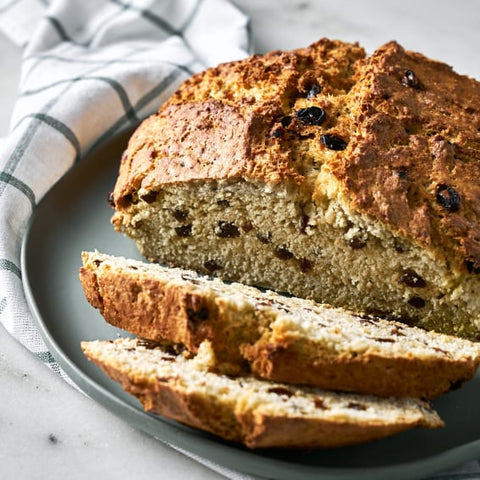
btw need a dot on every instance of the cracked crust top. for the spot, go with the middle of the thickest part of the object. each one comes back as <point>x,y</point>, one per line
<point>394,136</point>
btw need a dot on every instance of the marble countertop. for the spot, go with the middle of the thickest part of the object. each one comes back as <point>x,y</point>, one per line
<point>50,430</point>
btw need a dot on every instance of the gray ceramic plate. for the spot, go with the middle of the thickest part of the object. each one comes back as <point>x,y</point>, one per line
<point>75,216</point>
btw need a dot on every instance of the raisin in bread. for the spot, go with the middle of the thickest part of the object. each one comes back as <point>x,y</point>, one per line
<point>322,172</point>
<point>255,412</point>
<point>275,337</point>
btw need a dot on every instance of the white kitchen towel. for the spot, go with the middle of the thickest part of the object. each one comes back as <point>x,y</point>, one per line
<point>90,69</point>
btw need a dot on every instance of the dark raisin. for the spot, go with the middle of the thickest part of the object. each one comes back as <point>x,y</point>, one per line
<point>125,201</point>
<point>473,266</point>
<point>282,253</point>
<point>356,406</point>
<point>227,230</point>
<point>320,404</point>
<point>306,265</point>
<point>402,174</point>
<point>314,91</point>
<point>280,391</point>
<point>417,302</point>
<point>212,266</point>
<point>333,142</point>
<point>247,226</point>
<point>111,199</point>
<point>149,197</point>
<point>179,215</point>
<point>398,246</point>
<point>303,222</point>
<point>412,279</point>
<point>397,331</point>
<point>196,310</point>
<point>448,198</point>
<point>285,121</point>
<point>409,79</point>
<point>223,203</point>
<point>264,238</point>
<point>199,315</point>
<point>277,133</point>
<point>356,243</point>
<point>311,115</point>
<point>184,230</point>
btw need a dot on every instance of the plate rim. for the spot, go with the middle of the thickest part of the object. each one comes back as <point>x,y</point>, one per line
<point>181,439</point>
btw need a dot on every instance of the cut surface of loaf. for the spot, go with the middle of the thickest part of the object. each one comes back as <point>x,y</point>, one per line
<point>274,336</point>
<point>254,412</point>
<point>322,172</point>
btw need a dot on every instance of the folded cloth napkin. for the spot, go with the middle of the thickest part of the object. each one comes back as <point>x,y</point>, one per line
<point>112,62</point>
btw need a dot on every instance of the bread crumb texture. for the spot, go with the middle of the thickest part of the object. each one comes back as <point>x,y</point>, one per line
<point>273,336</point>
<point>322,172</point>
<point>256,413</point>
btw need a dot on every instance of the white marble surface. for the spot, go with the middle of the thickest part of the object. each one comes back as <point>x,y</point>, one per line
<point>47,428</point>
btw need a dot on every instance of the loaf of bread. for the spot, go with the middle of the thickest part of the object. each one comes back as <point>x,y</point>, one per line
<point>254,412</point>
<point>273,336</point>
<point>322,172</point>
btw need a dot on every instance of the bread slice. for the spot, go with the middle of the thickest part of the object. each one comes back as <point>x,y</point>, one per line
<point>254,412</point>
<point>322,172</point>
<point>274,336</point>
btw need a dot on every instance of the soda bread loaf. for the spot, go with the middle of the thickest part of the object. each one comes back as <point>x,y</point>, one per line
<point>273,336</point>
<point>322,172</point>
<point>254,412</point>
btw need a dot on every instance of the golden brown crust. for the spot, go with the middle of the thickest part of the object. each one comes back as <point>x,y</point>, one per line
<point>244,337</point>
<point>218,124</point>
<point>255,431</point>
<point>367,373</point>
<point>201,131</point>
<point>264,431</point>
<point>196,402</point>
<point>148,308</point>
<point>414,141</point>
<point>162,397</point>
<point>410,125</point>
